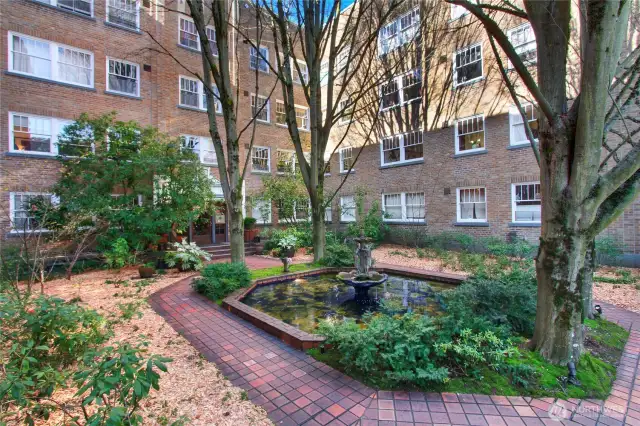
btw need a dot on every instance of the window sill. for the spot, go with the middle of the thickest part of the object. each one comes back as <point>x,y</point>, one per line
<point>209,164</point>
<point>264,123</point>
<point>470,153</point>
<point>190,108</point>
<point>346,222</point>
<point>45,80</point>
<point>190,49</point>
<point>519,146</point>
<point>65,11</point>
<point>403,163</point>
<point>20,154</point>
<point>478,224</point>
<point>122,27</point>
<point>524,225</point>
<point>469,83</point>
<point>260,71</point>
<point>26,234</point>
<point>405,222</point>
<point>261,172</point>
<point>123,95</point>
<point>346,172</point>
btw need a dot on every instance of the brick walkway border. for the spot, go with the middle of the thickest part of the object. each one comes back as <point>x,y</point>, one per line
<point>296,389</point>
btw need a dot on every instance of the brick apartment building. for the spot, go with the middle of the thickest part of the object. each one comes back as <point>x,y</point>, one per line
<point>470,170</point>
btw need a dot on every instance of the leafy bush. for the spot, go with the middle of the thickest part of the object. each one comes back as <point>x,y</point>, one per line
<point>45,342</point>
<point>504,303</point>
<point>249,222</point>
<point>119,255</point>
<point>372,223</point>
<point>187,256</point>
<point>607,248</point>
<point>411,349</point>
<point>338,255</point>
<point>219,279</point>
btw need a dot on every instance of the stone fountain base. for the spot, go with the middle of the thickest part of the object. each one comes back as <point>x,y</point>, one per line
<point>362,282</point>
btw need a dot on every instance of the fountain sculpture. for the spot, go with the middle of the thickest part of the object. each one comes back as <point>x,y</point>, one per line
<point>363,277</point>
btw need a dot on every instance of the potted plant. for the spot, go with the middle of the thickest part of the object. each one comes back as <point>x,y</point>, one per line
<point>250,230</point>
<point>287,245</point>
<point>147,270</point>
<point>186,257</point>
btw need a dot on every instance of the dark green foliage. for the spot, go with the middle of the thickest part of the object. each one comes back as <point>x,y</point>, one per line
<point>119,255</point>
<point>45,342</point>
<point>338,255</point>
<point>220,279</point>
<point>249,222</point>
<point>607,249</point>
<point>505,303</point>
<point>139,185</point>
<point>411,349</point>
<point>371,223</point>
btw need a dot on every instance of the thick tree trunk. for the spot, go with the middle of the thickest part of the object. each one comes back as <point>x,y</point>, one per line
<point>318,233</point>
<point>236,227</point>
<point>560,267</point>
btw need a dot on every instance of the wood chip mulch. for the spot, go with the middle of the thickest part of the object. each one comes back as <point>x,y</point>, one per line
<point>193,388</point>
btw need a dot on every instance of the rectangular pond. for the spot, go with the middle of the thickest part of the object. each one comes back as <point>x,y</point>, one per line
<point>303,302</point>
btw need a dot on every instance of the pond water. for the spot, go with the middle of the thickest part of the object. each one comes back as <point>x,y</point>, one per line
<point>305,301</point>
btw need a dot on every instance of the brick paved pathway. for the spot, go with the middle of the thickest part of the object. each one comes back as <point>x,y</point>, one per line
<point>296,389</point>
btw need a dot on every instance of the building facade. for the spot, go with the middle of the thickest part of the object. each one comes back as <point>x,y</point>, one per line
<point>465,167</point>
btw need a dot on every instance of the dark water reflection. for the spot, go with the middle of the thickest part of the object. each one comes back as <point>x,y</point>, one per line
<point>305,301</point>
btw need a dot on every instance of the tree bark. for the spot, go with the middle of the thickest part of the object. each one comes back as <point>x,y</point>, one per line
<point>319,229</point>
<point>560,267</point>
<point>236,226</point>
<point>587,280</point>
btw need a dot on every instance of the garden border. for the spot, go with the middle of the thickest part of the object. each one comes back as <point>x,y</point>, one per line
<point>289,334</point>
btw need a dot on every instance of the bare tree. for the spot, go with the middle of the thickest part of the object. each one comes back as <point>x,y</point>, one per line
<point>323,48</point>
<point>586,182</point>
<point>218,69</point>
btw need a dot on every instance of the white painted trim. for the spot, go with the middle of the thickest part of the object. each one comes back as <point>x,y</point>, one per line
<point>109,58</point>
<point>486,202</point>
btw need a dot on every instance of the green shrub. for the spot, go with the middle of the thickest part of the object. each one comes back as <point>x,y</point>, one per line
<point>607,248</point>
<point>411,349</point>
<point>249,222</point>
<point>338,255</point>
<point>220,279</point>
<point>119,255</point>
<point>503,303</point>
<point>186,256</point>
<point>372,224</point>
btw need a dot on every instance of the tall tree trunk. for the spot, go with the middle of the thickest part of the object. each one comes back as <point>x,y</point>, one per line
<point>319,228</point>
<point>236,226</point>
<point>560,268</point>
<point>587,280</point>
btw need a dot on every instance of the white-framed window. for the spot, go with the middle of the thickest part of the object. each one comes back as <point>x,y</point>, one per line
<point>302,211</point>
<point>125,13</point>
<point>328,214</point>
<point>259,61</point>
<point>469,134</point>
<point>50,61</point>
<point>526,202</point>
<point>192,94</point>
<point>285,161</point>
<point>21,210</point>
<point>188,35</point>
<point>467,65</point>
<point>202,147</point>
<point>261,159</point>
<point>303,75</point>
<point>83,7</point>
<point>518,133</point>
<point>401,90</point>
<point>401,148</point>
<point>324,73</point>
<point>281,114</point>
<point>123,77</point>
<point>261,211</point>
<point>34,134</point>
<point>302,117</point>
<point>347,208</point>
<point>345,112</point>
<point>261,108</point>
<point>523,40</point>
<point>346,159</point>
<point>403,207</point>
<point>216,186</point>
<point>400,31</point>
<point>471,204</point>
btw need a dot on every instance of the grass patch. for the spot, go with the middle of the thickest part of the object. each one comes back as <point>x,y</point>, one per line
<point>622,277</point>
<point>258,274</point>
<point>596,371</point>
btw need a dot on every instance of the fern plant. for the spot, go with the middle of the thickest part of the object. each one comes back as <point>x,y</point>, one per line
<point>187,256</point>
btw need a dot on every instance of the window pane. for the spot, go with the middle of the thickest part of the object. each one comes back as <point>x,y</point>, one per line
<point>528,202</point>
<point>468,64</point>
<point>189,92</point>
<point>189,34</point>
<point>123,12</point>
<point>74,66</point>
<point>260,108</point>
<point>78,6</point>
<point>470,133</point>
<point>123,77</point>
<point>393,206</point>
<point>260,159</point>
<point>213,43</point>
<point>473,204</point>
<point>31,57</point>
<point>391,149</point>
<point>31,134</point>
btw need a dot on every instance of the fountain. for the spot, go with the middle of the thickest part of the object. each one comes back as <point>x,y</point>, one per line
<point>363,277</point>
